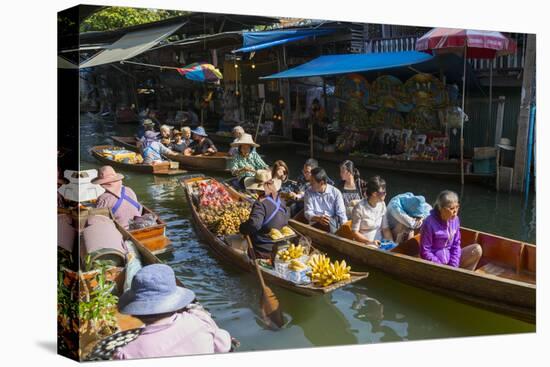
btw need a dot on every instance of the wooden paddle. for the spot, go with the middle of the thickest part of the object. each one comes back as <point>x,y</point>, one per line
<point>269,304</point>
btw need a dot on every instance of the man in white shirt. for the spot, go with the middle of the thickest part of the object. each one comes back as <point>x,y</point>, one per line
<point>323,203</point>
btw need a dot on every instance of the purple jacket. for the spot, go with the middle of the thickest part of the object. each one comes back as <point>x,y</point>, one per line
<point>190,332</point>
<point>440,241</point>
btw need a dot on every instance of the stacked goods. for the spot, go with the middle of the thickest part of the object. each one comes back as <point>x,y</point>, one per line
<point>286,231</point>
<point>225,220</point>
<point>212,193</point>
<point>324,273</point>
<point>122,155</point>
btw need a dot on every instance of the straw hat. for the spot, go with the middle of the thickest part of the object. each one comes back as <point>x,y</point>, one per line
<point>257,182</point>
<point>154,291</point>
<point>107,175</point>
<point>245,139</point>
<point>506,144</point>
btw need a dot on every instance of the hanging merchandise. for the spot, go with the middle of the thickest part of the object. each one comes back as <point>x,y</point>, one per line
<point>353,86</point>
<point>387,91</point>
<point>354,115</point>
<point>388,117</point>
<point>426,90</point>
<point>424,119</point>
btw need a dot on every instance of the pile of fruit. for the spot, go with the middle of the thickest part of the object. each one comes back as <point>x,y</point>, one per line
<point>292,252</point>
<point>275,234</point>
<point>225,220</point>
<point>324,273</point>
<point>212,193</point>
<point>296,265</point>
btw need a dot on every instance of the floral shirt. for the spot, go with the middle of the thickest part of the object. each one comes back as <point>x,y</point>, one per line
<point>253,160</point>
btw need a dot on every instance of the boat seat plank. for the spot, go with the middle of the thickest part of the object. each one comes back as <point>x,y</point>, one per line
<point>155,243</point>
<point>503,271</point>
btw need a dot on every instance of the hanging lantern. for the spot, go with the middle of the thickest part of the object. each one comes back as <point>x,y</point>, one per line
<point>281,101</point>
<point>253,66</point>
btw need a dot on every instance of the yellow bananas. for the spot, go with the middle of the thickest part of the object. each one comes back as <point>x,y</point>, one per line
<point>296,265</point>
<point>275,234</point>
<point>292,252</point>
<point>287,231</point>
<point>324,273</point>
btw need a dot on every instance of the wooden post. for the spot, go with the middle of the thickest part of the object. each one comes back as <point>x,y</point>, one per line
<point>500,119</point>
<point>523,118</point>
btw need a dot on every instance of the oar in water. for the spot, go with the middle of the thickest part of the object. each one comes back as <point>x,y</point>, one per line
<point>269,304</point>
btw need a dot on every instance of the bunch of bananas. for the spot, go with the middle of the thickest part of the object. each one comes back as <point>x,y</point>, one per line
<point>287,231</point>
<point>296,265</point>
<point>292,252</point>
<point>275,234</point>
<point>324,273</point>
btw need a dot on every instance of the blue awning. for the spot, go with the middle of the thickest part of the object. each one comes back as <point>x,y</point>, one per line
<point>353,63</point>
<point>254,41</point>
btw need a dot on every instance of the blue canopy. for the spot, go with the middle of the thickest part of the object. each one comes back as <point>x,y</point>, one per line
<point>353,63</point>
<point>254,41</point>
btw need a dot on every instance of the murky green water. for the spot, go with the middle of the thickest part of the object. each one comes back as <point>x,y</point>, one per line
<point>378,309</point>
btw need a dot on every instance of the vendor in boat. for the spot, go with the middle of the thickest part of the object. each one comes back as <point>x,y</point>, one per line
<point>120,199</point>
<point>237,133</point>
<point>350,185</point>
<point>151,149</point>
<point>173,325</point>
<point>406,214</point>
<point>323,203</point>
<point>369,221</point>
<point>200,144</point>
<point>440,235</point>
<point>165,135</point>
<point>178,145</point>
<point>268,212</point>
<point>247,161</point>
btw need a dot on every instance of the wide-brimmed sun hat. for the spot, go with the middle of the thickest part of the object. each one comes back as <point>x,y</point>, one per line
<point>245,139</point>
<point>154,291</point>
<point>199,131</point>
<point>416,206</point>
<point>257,182</point>
<point>107,174</point>
<point>506,144</point>
<point>151,135</point>
<point>148,122</point>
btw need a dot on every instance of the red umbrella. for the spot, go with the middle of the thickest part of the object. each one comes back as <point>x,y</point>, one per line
<point>472,44</point>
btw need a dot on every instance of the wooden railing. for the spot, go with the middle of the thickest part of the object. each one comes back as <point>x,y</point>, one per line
<point>407,43</point>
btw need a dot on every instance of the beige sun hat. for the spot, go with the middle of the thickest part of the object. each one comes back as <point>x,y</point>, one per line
<point>245,139</point>
<point>506,144</point>
<point>257,182</point>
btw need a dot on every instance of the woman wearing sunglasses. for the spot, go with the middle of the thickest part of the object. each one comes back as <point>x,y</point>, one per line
<point>368,221</point>
<point>440,235</point>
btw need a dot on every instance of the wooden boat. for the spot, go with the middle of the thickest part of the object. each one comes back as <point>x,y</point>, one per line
<point>504,281</point>
<point>448,169</point>
<point>127,142</point>
<point>153,238</point>
<point>240,258</point>
<point>218,162</point>
<point>164,168</point>
<point>124,322</point>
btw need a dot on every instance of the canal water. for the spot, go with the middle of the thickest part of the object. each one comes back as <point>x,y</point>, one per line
<point>377,309</point>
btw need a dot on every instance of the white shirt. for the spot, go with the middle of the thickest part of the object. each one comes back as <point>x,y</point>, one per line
<point>368,220</point>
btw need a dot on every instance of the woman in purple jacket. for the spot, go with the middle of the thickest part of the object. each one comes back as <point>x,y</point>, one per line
<point>440,235</point>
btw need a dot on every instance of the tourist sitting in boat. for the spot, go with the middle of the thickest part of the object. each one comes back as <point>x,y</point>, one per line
<point>186,130</point>
<point>302,182</point>
<point>350,186</point>
<point>151,149</point>
<point>406,213</point>
<point>237,132</point>
<point>279,170</point>
<point>165,135</point>
<point>148,125</point>
<point>200,144</point>
<point>369,221</point>
<point>268,212</point>
<point>247,161</point>
<point>440,235</point>
<point>173,325</point>
<point>178,145</point>
<point>120,199</point>
<point>323,203</point>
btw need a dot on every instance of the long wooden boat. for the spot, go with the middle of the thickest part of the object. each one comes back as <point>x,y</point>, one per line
<point>241,259</point>
<point>124,322</point>
<point>163,168</point>
<point>153,238</point>
<point>218,162</point>
<point>448,169</point>
<point>504,281</point>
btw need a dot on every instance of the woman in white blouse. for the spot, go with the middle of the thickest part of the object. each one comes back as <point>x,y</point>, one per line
<point>369,220</point>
